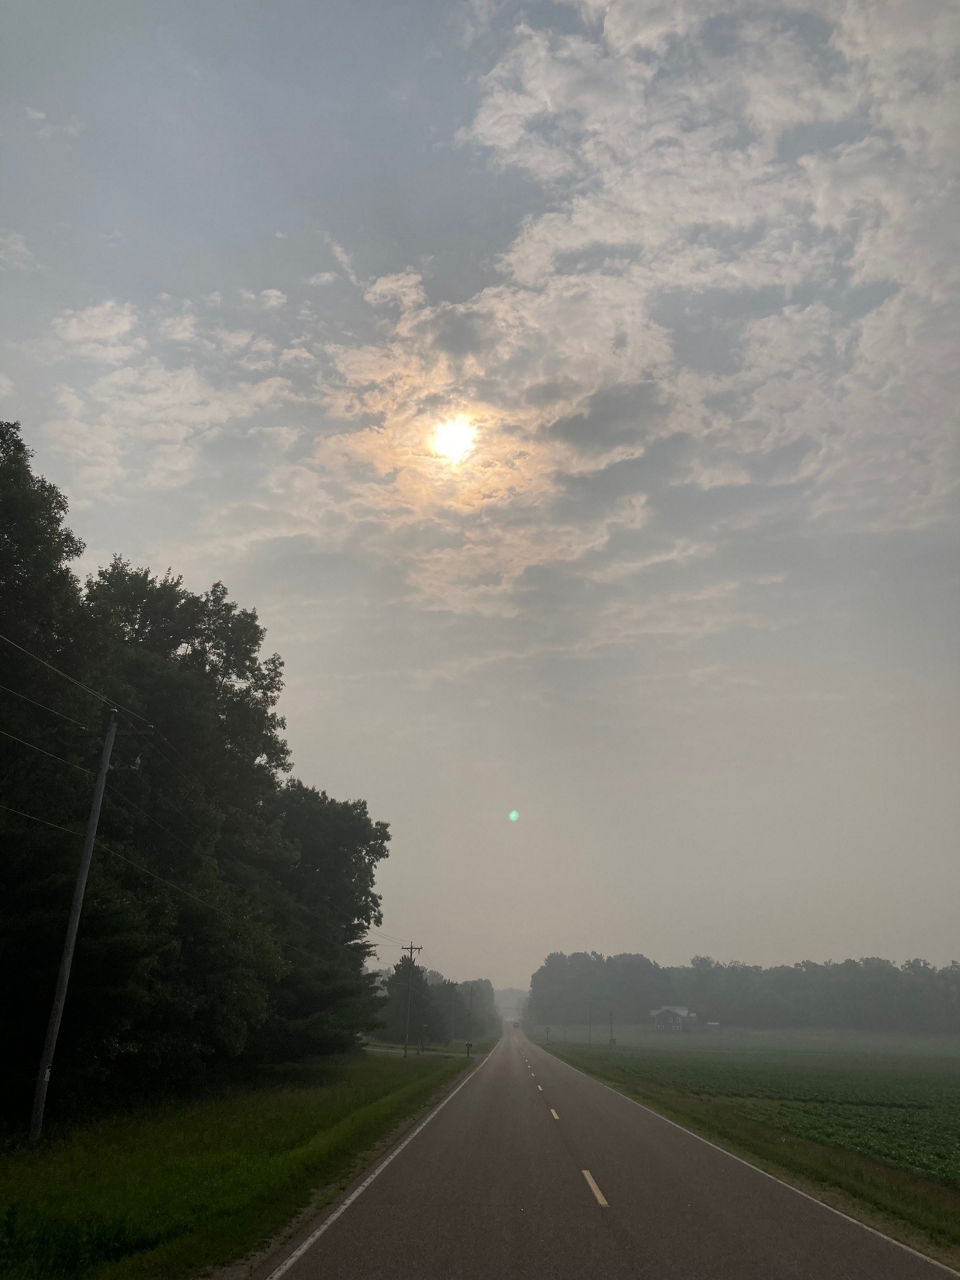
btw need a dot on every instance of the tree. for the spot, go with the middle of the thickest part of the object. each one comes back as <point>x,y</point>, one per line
<point>408,990</point>
<point>227,908</point>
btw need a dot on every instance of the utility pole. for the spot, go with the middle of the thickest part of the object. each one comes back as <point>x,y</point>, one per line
<point>69,942</point>
<point>406,1034</point>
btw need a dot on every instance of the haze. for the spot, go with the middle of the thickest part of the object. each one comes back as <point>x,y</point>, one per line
<point>681,588</point>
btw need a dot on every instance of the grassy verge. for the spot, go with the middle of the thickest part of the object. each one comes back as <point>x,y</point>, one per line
<point>882,1129</point>
<point>163,1193</point>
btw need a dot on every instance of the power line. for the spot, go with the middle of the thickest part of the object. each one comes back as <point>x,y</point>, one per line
<point>163,880</point>
<point>102,844</point>
<point>33,747</point>
<point>170,805</point>
<point>43,706</point>
<point>163,756</point>
<point>388,937</point>
<point>109,702</point>
<point>115,795</point>
<point>33,818</point>
<point>154,875</point>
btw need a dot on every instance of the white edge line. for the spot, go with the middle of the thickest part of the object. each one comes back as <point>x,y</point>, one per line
<point>554,1114</point>
<point>328,1222</point>
<point>924,1257</point>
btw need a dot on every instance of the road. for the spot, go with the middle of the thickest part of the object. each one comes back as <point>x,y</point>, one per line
<point>532,1171</point>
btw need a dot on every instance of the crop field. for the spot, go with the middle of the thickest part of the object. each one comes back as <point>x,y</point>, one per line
<point>878,1117</point>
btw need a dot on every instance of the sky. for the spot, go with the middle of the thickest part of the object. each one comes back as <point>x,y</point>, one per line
<point>572,389</point>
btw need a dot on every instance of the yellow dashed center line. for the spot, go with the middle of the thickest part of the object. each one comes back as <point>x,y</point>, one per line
<point>601,1200</point>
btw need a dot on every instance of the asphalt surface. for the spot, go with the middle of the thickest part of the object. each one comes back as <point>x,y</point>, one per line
<point>531,1171</point>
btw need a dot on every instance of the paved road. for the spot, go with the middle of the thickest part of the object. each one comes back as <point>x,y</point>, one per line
<point>532,1171</point>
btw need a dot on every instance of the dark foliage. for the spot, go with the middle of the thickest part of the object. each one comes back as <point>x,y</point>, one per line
<point>440,1011</point>
<point>868,995</point>
<point>227,905</point>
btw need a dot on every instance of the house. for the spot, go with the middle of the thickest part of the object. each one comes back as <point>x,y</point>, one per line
<point>673,1017</point>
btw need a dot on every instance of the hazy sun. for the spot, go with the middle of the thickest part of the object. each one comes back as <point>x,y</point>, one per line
<point>454,439</point>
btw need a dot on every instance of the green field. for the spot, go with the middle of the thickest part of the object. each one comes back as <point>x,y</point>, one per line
<point>876,1116</point>
<point>162,1193</point>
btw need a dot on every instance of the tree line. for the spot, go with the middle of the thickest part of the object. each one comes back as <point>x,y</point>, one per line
<point>421,1006</point>
<point>228,904</point>
<point>869,994</point>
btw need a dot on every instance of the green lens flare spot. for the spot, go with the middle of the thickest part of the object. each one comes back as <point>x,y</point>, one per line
<point>514,815</point>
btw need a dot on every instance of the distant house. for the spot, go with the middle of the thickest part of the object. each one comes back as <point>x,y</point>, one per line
<point>673,1017</point>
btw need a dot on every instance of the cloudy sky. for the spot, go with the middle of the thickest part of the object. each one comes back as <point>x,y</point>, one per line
<point>683,275</point>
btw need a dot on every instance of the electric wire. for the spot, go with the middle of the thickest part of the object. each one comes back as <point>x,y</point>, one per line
<point>116,795</point>
<point>33,747</point>
<point>102,844</point>
<point>43,821</point>
<point>154,875</point>
<point>164,799</point>
<point>109,702</point>
<point>43,706</point>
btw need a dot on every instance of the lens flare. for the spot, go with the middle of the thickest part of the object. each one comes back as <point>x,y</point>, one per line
<point>454,439</point>
<point>513,815</point>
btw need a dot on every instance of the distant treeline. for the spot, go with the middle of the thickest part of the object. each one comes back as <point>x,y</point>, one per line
<point>869,994</point>
<point>228,904</point>
<point>440,1011</point>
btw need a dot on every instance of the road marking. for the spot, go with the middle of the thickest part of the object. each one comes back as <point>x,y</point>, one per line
<point>924,1257</point>
<point>540,1087</point>
<point>311,1240</point>
<point>601,1201</point>
<point>554,1114</point>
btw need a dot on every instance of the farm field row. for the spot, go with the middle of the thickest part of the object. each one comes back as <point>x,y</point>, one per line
<point>880,1120</point>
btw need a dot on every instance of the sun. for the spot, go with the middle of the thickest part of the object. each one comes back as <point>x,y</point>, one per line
<point>454,439</point>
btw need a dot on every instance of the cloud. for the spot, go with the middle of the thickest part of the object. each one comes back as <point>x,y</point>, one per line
<point>105,332</point>
<point>169,380</point>
<point>404,288</point>
<point>344,259</point>
<point>46,129</point>
<point>728,258</point>
<point>265,300</point>
<point>729,312</point>
<point>15,254</point>
<point>179,327</point>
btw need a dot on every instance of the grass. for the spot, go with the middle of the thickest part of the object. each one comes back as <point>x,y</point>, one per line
<point>877,1117</point>
<point>165,1192</point>
<point>450,1048</point>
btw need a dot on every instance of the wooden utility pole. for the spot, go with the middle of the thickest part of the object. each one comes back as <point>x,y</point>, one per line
<point>69,942</point>
<point>406,1033</point>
